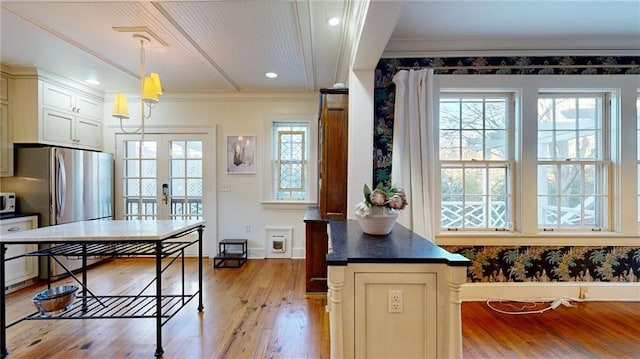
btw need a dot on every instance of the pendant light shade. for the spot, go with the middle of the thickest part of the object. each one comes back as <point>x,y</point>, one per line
<point>150,88</point>
<point>156,81</point>
<point>120,107</point>
<point>150,93</point>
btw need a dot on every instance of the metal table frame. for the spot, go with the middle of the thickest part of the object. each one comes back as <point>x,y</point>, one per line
<point>91,306</point>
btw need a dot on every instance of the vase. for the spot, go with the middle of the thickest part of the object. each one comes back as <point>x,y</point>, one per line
<point>378,224</point>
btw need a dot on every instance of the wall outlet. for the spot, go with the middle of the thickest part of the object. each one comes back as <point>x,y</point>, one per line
<point>396,300</point>
<point>247,228</point>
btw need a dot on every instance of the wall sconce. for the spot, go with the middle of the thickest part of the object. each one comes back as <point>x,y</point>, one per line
<point>150,90</point>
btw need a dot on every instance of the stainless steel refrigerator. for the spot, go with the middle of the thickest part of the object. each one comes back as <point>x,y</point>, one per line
<point>62,185</point>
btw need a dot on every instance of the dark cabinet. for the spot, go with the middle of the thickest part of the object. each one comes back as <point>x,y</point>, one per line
<point>316,250</point>
<point>333,127</point>
<point>332,155</point>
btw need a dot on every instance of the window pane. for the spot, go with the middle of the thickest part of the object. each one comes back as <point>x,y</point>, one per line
<point>194,149</point>
<point>472,114</point>
<point>148,168</point>
<point>496,145</point>
<point>449,145</point>
<point>194,168</point>
<point>570,128</point>
<point>149,149</point>
<point>290,160</point>
<point>177,168</point>
<point>496,113</point>
<point>474,145</point>
<point>131,168</point>
<point>177,187</point>
<point>148,187</point>
<point>177,149</point>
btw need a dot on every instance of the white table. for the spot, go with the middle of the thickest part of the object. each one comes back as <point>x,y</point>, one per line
<point>112,238</point>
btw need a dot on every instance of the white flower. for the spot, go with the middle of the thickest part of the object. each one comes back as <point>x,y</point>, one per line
<point>362,210</point>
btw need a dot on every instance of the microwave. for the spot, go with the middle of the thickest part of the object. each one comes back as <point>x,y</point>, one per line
<point>7,202</point>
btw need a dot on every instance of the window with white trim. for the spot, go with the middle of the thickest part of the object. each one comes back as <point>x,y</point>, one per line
<point>573,167</point>
<point>290,161</point>
<point>475,160</point>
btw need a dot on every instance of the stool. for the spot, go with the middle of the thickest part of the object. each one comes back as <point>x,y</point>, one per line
<point>230,259</point>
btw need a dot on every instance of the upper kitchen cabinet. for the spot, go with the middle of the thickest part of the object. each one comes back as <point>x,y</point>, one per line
<point>53,112</point>
<point>333,142</point>
<point>6,141</point>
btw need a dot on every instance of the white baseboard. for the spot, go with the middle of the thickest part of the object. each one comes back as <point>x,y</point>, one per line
<point>260,253</point>
<point>593,291</point>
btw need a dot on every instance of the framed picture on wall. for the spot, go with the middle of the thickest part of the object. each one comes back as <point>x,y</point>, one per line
<point>241,154</point>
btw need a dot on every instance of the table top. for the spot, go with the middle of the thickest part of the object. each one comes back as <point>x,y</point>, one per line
<point>103,231</point>
<point>348,244</point>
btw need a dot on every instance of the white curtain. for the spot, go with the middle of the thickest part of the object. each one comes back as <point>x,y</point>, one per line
<point>412,159</point>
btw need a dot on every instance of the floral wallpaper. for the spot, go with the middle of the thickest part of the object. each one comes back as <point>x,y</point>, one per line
<point>550,264</point>
<point>512,263</point>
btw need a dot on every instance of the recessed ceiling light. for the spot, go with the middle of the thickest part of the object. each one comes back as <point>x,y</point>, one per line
<point>271,75</point>
<point>92,81</point>
<point>333,21</point>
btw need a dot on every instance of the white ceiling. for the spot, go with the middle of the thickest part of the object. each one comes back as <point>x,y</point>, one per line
<point>227,46</point>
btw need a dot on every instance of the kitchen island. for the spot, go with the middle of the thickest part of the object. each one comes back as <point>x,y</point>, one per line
<point>393,296</point>
<point>156,238</point>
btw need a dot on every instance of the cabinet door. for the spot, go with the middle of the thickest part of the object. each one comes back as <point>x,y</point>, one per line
<point>6,145</point>
<point>88,133</point>
<point>316,253</point>
<point>87,106</point>
<point>382,331</point>
<point>56,96</point>
<point>334,156</point>
<point>4,88</point>
<point>23,268</point>
<point>58,127</point>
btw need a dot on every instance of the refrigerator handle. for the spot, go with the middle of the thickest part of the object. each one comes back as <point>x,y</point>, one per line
<point>61,185</point>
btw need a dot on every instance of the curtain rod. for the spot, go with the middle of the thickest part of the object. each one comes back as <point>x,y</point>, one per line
<point>498,67</point>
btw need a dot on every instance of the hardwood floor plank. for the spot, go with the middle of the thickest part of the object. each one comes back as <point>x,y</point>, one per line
<point>261,311</point>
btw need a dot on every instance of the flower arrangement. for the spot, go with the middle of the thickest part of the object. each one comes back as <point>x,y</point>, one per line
<point>381,201</point>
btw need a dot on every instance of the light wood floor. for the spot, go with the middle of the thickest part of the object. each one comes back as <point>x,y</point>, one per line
<point>261,311</point>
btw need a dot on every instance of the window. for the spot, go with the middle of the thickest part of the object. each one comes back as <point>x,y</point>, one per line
<point>290,144</point>
<point>573,174</point>
<point>476,154</point>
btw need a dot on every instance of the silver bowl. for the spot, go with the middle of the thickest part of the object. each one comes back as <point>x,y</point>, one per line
<point>55,300</point>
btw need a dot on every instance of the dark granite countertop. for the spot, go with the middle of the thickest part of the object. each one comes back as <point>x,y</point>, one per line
<point>16,215</point>
<point>350,245</point>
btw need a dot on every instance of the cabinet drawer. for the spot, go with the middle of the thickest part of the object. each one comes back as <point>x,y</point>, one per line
<point>21,270</point>
<point>15,227</point>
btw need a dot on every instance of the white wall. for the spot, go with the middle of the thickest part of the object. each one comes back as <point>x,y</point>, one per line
<point>361,85</point>
<point>229,114</point>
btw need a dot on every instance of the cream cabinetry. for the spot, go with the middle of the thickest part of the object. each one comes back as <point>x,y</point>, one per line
<point>6,137</point>
<point>363,323</point>
<point>23,269</point>
<point>54,114</point>
<point>67,100</point>
<point>392,296</point>
<point>407,330</point>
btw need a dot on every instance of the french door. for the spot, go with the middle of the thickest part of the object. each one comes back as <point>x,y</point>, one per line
<point>162,177</point>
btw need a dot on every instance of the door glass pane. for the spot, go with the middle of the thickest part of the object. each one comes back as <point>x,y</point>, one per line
<point>139,182</point>
<point>186,179</point>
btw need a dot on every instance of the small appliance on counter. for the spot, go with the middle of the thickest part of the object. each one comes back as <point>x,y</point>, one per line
<point>7,202</point>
